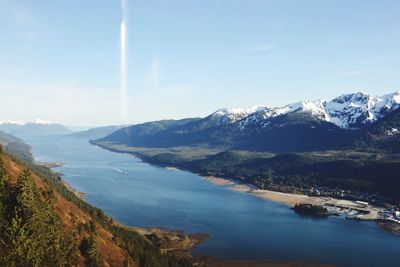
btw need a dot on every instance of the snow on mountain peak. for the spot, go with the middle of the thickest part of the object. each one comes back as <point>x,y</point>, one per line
<point>348,111</point>
<point>261,117</point>
<point>39,121</point>
<point>16,122</point>
<point>232,115</point>
<point>388,102</point>
<point>22,123</point>
<point>353,110</point>
<point>315,108</point>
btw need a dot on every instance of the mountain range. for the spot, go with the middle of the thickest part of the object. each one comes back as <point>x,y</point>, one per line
<point>36,127</point>
<point>302,126</point>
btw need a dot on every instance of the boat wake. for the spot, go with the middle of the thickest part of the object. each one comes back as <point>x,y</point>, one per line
<point>121,171</point>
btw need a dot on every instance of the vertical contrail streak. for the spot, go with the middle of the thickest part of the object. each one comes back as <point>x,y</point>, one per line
<point>124,89</point>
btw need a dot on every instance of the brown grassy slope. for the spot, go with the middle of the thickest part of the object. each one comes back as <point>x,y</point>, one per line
<point>72,216</point>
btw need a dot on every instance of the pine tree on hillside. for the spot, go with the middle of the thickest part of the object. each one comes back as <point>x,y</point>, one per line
<point>35,235</point>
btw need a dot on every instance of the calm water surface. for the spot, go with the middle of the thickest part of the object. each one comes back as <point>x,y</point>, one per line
<point>241,226</point>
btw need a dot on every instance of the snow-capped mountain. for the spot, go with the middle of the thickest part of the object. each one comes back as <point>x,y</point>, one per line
<point>11,122</point>
<point>36,127</point>
<point>348,111</point>
<point>226,116</point>
<point>261,117</point>
<point>351,111</point>
<point>22,123</point>
<point>302,126</point>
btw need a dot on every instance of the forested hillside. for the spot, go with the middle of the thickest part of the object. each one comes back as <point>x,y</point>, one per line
<point>382,135</point>
<point>42,223</point>
<point>15,146</point>
<point>351,121</point>
<point>336,171</point>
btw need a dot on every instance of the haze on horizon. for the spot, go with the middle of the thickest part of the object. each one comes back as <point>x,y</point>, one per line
<point>60,60</point>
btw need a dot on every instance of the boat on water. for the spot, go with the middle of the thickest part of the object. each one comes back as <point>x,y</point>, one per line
<point>121,171</point>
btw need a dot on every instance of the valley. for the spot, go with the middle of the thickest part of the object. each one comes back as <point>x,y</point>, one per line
<point>212,133</point>
<point>313,173</point>
<point>182,200</point>
<point>229,164</point>
<point>187,173</point>
<point>45,222</point>
<point>343,148</point>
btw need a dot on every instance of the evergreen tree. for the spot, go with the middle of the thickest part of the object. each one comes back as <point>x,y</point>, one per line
<point>91,252</point>
<point>35,235</point>
<point>5,189</point>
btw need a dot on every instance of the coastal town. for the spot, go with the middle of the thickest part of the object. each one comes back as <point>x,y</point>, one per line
<point>358,205</point>
<point>346,204</point>
<point>361,210</point>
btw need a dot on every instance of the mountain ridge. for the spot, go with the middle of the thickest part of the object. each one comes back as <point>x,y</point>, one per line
<point>302,126</point>
<point>348,111</point>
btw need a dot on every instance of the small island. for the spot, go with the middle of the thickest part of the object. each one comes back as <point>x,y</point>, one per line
<point>311,210</point>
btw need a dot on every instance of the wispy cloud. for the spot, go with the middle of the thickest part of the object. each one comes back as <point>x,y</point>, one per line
<point>154,75</point>
<point>260,48</point>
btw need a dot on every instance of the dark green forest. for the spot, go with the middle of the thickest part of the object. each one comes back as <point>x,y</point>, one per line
<point>311,210</point>
<point>298,172</point>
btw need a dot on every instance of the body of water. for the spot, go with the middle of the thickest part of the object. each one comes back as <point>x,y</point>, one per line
<point>241,226</point>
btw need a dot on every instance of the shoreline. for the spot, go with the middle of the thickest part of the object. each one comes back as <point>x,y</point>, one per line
<point>171,168</point>
<point>77,193</point>
<point>176,242</point>
<point>290,200</point>
<point>51,164</point>
<point>370,213</point>
<point>287,199</point>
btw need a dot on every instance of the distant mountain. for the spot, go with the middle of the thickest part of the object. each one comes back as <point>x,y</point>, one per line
<point>348,111</point>
<point>136,134</point>
<point>36,127</point>
<point>15,146</point>
<point>302,126</point>
<point>97,132</point>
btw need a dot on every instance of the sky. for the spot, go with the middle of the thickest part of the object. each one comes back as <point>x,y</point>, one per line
<point>60,60</point>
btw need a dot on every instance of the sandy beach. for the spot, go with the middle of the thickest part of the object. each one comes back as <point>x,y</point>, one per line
<point>169,168</point>
<point>51,165</point>
<point>292,199</point>
<point>284,198</point>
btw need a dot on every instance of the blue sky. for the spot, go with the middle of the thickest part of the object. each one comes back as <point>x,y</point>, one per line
<point>60,60</point>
